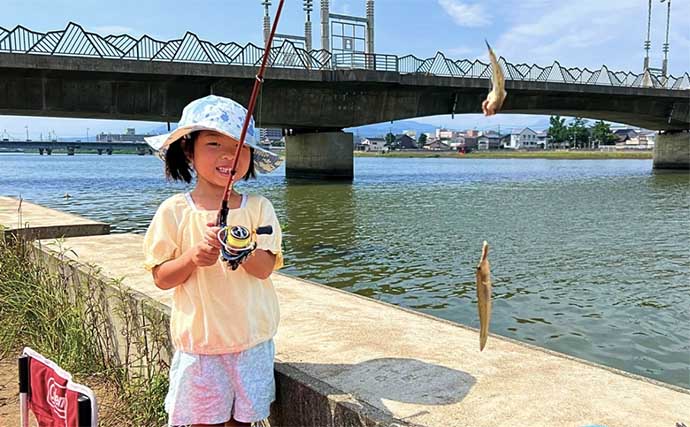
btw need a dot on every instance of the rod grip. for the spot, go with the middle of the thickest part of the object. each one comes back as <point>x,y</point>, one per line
<point>265,229</point>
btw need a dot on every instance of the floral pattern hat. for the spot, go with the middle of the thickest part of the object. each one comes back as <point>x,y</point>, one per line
<point>217,114</point>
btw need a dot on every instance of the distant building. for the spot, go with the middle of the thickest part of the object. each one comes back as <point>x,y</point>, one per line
<point>524,139</point>
<point>470,143</point>
<point>130,135</point>
<point>457,142</point>
<point>488,140</point>
<point>444,133</point>
<point>270,134</point>
<point>411,133</point>
<point>437,146</point>
<point>374,144</point>
<point>622,135</point>
<point>630,139</point>
<point>404,142</point>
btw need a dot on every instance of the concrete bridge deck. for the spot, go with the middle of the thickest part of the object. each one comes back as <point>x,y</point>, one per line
<point>58,86</point>
<point>343,359</point>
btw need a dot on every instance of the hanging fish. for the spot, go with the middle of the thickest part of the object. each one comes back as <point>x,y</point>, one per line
<point>494,100</point>
<point>484,295</point>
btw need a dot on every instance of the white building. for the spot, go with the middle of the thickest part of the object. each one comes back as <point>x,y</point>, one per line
<point>374,144</point>
<point>526,138</point>
<point>444,134</point>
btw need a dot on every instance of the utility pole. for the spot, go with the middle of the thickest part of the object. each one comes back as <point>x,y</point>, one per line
<point>325,37</point>
<point>308,7</point>
<point>267,20</point>
<point>648,43</point>
<point>27,132</point>
<point>370,26</point>
<point>664,66</point>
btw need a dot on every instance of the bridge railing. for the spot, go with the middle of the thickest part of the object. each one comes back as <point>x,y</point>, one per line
<point>366,61</point>
<point>75,41</point>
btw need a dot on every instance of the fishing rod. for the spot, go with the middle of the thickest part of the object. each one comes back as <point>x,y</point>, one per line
<point>237,241</point>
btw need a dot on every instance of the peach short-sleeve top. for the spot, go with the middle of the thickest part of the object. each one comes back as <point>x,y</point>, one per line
<point>216,310</point>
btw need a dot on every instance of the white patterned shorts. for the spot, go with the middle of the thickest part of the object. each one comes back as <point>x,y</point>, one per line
<point>210,389</point>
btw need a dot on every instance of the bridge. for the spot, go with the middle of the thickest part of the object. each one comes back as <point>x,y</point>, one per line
<point>315,94</point>
<point>71,147</point>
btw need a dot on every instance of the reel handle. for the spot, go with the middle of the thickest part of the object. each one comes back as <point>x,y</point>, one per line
<point>265,229</point>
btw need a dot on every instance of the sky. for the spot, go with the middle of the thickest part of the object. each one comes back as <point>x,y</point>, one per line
<point>583,33</point>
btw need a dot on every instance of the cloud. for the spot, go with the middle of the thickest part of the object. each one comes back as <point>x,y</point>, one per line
<point>465,15</point>
<point>588,33</point>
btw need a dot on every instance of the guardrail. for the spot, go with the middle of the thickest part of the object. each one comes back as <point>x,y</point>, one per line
<point>75,41</point>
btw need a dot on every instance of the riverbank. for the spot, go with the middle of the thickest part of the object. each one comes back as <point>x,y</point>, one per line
<point>346,359</point>
<point>510,154</point>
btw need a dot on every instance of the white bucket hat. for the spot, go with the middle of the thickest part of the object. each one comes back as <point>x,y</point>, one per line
<point>217,114</point>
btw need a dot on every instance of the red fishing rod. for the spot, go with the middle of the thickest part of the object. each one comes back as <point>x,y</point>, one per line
<point>237,241</point>
<point>250,109</point>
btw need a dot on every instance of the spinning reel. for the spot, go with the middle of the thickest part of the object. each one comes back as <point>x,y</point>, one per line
<point>238,242</point>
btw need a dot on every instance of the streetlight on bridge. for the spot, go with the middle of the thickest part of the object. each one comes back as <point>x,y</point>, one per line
<point>664,65</point>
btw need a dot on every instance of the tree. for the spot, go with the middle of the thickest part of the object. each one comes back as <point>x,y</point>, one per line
<point>558,132</point>
<point>421,141</point>
<point>390,140</point>
<point>601,133</point>
<point>577,131</point>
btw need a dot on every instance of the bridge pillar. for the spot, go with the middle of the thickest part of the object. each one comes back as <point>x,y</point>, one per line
<point>324,155</point>
<point>672,151</point>
<point>40,151</point>
<point>49,151</point>
<point>100,151</point>
<point>70,151</point>
<point>109,151</point>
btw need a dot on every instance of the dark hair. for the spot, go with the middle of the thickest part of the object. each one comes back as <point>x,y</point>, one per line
<point>178,163</point>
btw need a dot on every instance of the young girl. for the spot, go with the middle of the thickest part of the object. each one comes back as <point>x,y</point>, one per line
<point>222,321</point>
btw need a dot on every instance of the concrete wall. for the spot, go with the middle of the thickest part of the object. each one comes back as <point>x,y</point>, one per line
<point>325,155</point>
<point>672,151</point>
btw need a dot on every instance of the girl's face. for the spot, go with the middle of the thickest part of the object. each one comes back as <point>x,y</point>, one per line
<point>213,156</point>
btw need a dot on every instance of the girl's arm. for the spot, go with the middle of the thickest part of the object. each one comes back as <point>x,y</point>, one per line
<point>260,264</point>
<point>176,271</point>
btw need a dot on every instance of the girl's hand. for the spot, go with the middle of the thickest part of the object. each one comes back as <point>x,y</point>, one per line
<point>206,252</point>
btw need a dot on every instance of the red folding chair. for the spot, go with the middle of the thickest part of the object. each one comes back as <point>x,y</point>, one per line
<point>50,394</point>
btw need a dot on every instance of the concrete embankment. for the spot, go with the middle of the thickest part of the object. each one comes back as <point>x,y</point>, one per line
<point>346,360</point>
<point>38,222</point>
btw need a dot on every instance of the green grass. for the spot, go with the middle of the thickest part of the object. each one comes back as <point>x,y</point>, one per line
<point>510,154</point>
<point>41,307</point>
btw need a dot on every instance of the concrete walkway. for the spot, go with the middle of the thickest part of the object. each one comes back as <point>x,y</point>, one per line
<point>391,366</point>
<point>36,221</point>
<point>398,367</point>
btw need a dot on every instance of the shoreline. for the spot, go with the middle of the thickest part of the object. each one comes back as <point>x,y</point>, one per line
<point>505,154</point>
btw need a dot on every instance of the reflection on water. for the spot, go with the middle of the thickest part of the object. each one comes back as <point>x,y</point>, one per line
<point>589,257</point>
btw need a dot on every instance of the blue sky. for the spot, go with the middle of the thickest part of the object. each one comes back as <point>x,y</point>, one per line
<point>583,33</point>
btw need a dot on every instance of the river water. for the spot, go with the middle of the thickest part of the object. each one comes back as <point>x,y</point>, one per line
<point>589,257</point>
